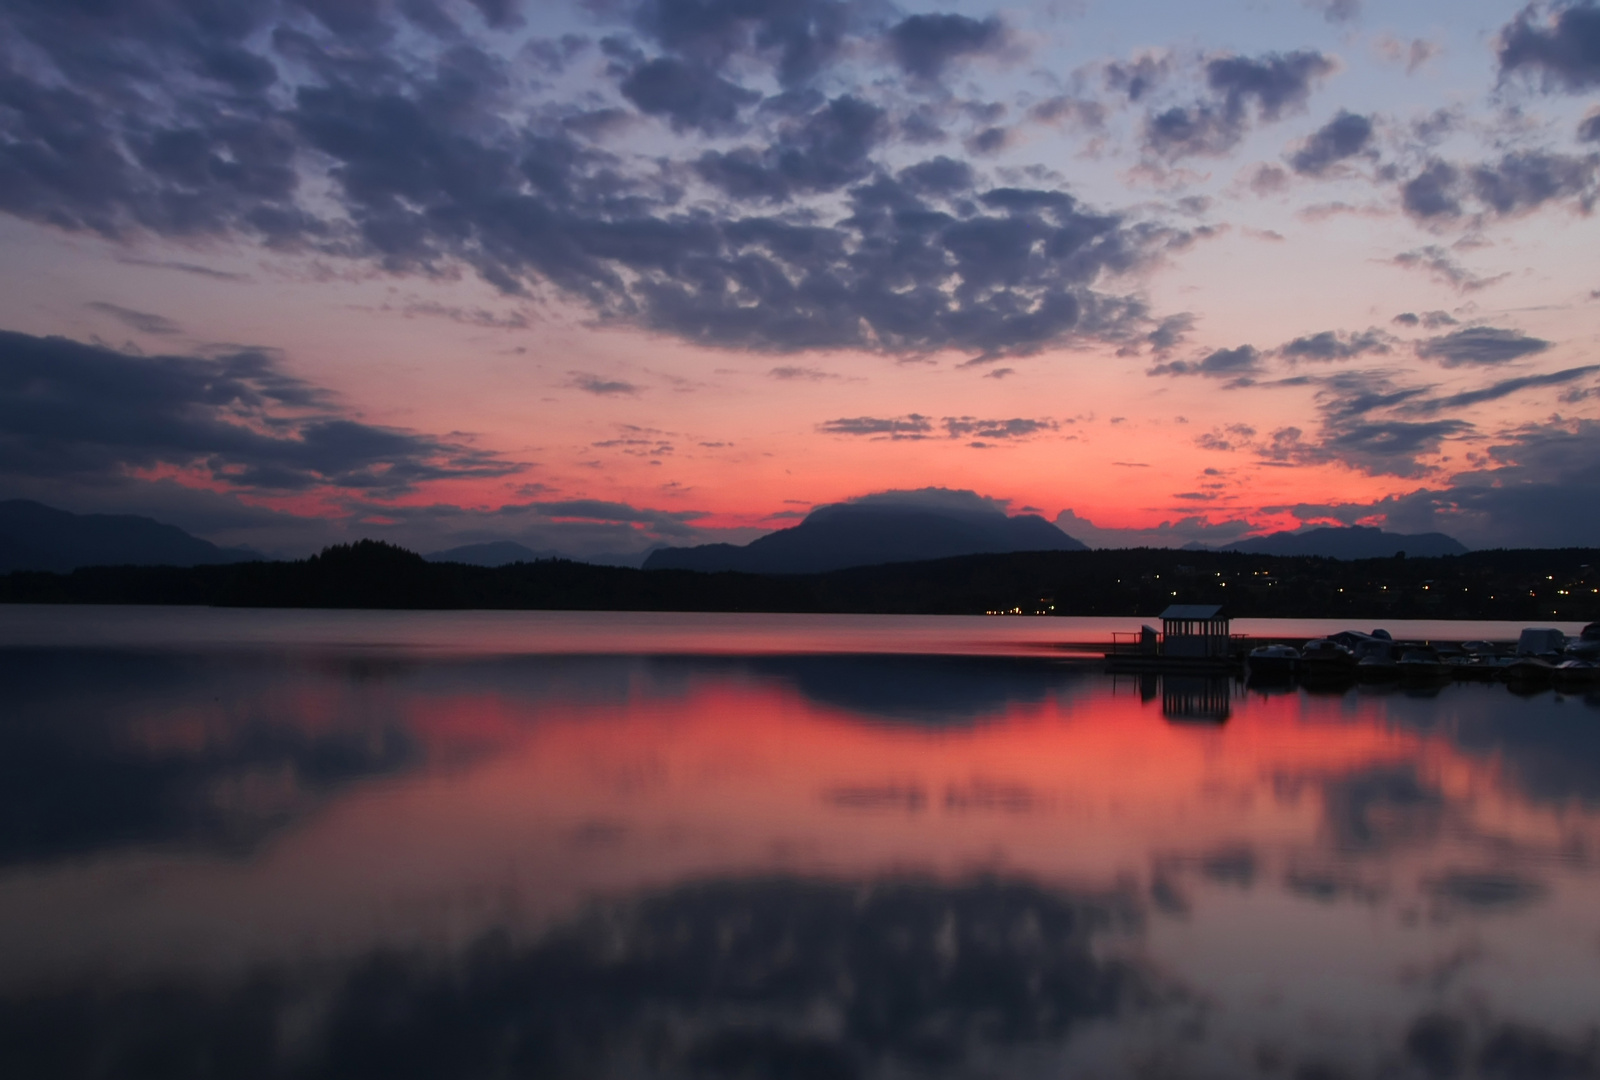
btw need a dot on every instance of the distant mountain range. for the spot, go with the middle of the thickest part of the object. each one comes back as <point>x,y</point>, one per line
<point>1355,542</point>
<point>870,534</point>
<point>34,536</point>
<point>493,553</point>
<point>505,552</point>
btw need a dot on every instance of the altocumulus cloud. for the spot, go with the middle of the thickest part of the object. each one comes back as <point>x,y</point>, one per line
<point>307,127</point>
<point>1480,345</point>
<point>1561,45</point>
<point>917,426</point>
<point>1273,84</point>
<point>1240,362</point>
<point>69,410</point>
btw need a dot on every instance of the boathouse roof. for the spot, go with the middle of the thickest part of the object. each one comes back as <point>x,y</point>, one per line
<point>1197,612</point>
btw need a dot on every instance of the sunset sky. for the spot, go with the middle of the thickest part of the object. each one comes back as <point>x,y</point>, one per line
<point>597,275</point>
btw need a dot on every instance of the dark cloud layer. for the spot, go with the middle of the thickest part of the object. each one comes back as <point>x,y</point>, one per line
<point>689,96</point>
<point>1496,391</point>
<point>924,45</point>
<point>1331,345</point>
<point>1480,345</point>
<point>1562,49</point>
<point>1539,488</point>
<point>69,410</point>
<point>916,426</point>
<point>1222,363</point>
<point>1345,136</point>
<point>1274,83</point>
<point>802,37</point>
<point>822,151</point>
<point>1517,183</point>
<point>179,121</point>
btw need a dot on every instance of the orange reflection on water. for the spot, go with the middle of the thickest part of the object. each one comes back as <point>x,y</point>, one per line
<point>1408,849</point>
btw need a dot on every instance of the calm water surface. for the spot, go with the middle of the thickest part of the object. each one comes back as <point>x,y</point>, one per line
<point>240,844</point>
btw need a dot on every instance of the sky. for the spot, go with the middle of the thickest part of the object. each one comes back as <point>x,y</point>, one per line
<point>601,275</point>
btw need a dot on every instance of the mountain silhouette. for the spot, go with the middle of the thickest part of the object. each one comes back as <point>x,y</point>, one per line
<point>34,536</point>
<point>1355,542</point>
<point>871,532</point>
<point>492,553</point>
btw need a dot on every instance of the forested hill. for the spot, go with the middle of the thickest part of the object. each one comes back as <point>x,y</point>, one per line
<point>1528,585</point>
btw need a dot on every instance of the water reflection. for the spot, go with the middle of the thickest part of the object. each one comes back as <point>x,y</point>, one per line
<point>280,863</point>
<point>778,976</point>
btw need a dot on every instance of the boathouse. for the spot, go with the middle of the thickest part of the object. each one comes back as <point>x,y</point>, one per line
<point>1194,632</point>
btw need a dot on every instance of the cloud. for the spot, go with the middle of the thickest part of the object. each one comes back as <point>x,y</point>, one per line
<point>916,426</point>
<point>1540,487</point>
<point>1368,424</point>
<point>1192,529</point>
<point>1413,54</point>
<point>1480,345</point>
<point>687,96</point>
<point>1377,447</point>
<point>938,176</point>
<point>1442,266</point>
<point>1274,83</point>
<point>789,373</point>
<point>802,37</point>
<point>1589,128</point>
<point>142,321</point>
<point>1345,136</point>
<point>480,317</point>
<point>1171,333</point>
<point>1431,193</point>
<point>825,150</point>
<point>1233,437</point>
<point>1518,183</point>
<point>963,427</point>
<point>1268,180</point>
<point>1563,48</point>
<point>1222,363</point>
<point>1330,345</point>
<point>924,45</point>
<point>330,141</point>
<point>1495,391</point>
<point>81,411</point>
<point>935,498</point>
<point>183,268</point>
<point>1137,78</point>
<point>659,522</point>
<point>910,426</point>
<point>1336,11</point>
<point>1433,320</point>
<point>600,386</point>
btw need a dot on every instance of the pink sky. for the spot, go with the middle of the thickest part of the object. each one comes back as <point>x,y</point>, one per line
<point>1251,179</point>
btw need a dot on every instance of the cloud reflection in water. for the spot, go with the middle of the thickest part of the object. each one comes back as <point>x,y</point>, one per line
<point>347,864</point>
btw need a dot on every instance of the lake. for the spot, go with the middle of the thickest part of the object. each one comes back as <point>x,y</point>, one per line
<point>355,844</point>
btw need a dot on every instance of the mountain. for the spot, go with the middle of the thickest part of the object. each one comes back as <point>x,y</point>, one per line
<point>505,552</point>
<point>869,534</point>
<point>34,536</point>
<point>1355,542</point>
<point>493,553</point>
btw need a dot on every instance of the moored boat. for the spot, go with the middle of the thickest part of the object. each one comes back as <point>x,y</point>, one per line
<point>1529,671</point>
<point>1577,673</point>
<point>1377,669</point>
<point>1325,659</point>
<point>1587,646</point>
<point>1423,664</point>
<point>1273,660</point>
